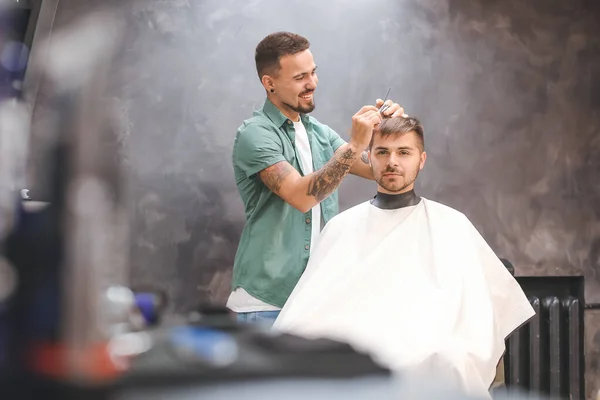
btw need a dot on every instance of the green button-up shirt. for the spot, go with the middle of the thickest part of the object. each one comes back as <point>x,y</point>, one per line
<point>275,242</point>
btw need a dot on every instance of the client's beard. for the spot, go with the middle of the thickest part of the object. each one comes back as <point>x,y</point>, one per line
<point>401,188</point>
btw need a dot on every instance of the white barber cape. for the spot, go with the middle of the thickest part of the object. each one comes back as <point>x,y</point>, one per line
<point>418,288</point>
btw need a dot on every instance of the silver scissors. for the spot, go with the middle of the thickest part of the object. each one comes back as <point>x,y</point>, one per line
<point>385,106</point>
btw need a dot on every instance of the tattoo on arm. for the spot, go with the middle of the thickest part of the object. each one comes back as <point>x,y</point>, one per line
<point>274,175</point>
<point>327,179</point>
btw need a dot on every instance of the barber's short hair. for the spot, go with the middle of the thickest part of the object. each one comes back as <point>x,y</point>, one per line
<point>273,47</point>
<point>400,125</point>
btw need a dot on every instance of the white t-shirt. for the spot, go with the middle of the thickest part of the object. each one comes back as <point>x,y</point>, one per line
<point>240,300</point>
<point>306,163</point>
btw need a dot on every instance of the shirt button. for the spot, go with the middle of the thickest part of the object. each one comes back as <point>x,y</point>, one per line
<point>289,121</point>
<point>307,247</point>
<point>308,220</point>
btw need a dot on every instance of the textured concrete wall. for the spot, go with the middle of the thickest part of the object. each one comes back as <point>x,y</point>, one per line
<point>509,93</point>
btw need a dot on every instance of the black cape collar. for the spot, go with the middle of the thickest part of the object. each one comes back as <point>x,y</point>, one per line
<point>394,201</point>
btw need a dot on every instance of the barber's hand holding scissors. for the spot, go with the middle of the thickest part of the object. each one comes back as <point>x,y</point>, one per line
<point>364,122</point>
<point>384,109</point>
<point>389,109</point>
<point>368,118</point>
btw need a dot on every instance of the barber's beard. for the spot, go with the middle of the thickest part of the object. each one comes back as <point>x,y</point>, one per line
<point>303,106</point>
<point>301,109</point>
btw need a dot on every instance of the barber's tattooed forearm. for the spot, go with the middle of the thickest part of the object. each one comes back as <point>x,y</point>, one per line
<point>328,178</point>
<point>275,175</point>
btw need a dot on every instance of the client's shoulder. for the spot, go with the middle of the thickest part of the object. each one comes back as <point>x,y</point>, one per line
<point>351,214</point>
<point>444,209</point>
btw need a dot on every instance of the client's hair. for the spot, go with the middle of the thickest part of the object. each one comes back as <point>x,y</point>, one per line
<point>398,126</point>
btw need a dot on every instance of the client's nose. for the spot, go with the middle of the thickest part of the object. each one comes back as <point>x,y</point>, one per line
<point>393,160</point>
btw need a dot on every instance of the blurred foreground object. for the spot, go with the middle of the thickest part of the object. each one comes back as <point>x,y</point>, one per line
<point>68,254</point>
<point>210,356</point>
<point>14,142</point>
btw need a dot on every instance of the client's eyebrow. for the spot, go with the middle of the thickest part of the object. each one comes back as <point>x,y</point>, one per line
<point>398,148</point>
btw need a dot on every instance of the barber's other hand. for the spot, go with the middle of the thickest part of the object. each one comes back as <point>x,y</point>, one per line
<point>394,109</point>
<point>364,122</point>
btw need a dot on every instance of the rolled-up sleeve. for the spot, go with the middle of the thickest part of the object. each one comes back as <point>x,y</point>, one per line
<point>256,148</point>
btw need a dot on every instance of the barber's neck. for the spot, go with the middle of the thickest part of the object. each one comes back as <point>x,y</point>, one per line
<point>387,201</point>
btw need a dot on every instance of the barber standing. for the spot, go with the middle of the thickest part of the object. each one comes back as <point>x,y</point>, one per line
<point>288,167</point>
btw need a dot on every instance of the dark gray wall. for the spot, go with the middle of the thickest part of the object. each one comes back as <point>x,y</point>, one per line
<point>509,93</point>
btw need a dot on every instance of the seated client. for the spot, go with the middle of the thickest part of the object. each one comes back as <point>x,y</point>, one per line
<point>407,279</point>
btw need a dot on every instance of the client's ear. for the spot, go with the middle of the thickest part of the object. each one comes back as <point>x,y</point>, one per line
<point>423,158</point>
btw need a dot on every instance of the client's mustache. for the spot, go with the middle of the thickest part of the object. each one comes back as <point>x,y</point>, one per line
<point>389,170</point>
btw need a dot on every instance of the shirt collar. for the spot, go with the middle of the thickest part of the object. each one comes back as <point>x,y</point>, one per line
<point>277,116</point>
